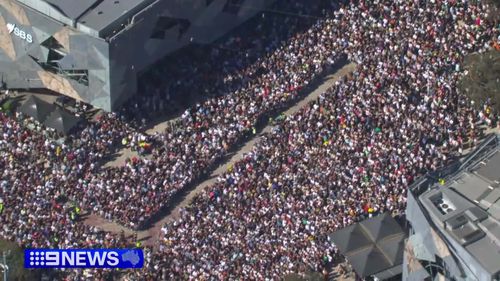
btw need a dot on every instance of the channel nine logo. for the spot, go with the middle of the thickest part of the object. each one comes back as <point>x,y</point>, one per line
<point>83,258</point>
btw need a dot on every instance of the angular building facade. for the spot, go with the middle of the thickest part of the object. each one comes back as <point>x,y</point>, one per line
<point>93,50</point>
<point>454,219</point>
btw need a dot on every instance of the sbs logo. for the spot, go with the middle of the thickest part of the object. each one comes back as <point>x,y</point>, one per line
<point>12,28</point>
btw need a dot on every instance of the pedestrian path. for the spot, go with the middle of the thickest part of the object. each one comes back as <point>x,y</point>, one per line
<point>151,235</point>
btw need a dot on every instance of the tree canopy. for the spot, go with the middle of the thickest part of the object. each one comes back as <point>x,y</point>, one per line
<point>482,79</point>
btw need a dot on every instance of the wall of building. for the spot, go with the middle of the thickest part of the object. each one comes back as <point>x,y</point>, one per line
<point>47,9</point>
<point>185,22</point>
<point>111,66</point>
<point>28,41</point>
<point>459,265</point>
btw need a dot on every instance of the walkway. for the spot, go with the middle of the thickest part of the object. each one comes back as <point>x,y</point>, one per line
<point>151,235</point>
<point>119,158</point>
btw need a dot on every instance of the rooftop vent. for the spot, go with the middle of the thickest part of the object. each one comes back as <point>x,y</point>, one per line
<point>443,204</point>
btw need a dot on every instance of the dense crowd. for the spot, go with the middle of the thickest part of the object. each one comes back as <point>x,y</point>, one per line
<point>48,180</point>
<point>351,153</point>
<point>35,179</point>
<point>45,182</point>
<point>199,72</point>
<point>131,194</point>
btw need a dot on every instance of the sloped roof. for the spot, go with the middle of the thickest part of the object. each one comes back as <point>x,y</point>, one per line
<point>368,260</point>
<point>381,226</point>
<point>72,9</point>
<point>371,246</point>
<point>351,238</point>
<point>61,121</point>
<point>36,108</point>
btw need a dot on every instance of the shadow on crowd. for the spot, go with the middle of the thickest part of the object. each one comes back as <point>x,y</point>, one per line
<point>196,73</point>
<point>263,121</point>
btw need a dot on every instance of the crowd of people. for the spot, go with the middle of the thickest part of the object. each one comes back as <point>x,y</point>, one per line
<point>200,72</point>
<point>133,193</point>
<point>349,154</point>
<point>46,179</point>
<point>35,184</point>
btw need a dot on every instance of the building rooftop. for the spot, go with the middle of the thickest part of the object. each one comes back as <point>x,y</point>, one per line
<point>373,246</point>
<point>100,18</point>
<point>72,9</point>
<point>466,209</point>
<point>108,12</point>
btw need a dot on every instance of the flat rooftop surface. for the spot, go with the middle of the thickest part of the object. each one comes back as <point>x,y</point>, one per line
<point>490,168</point>
<point>102,16</point>
<point>108,11</point>
<point>72,8</point>
<point>467,208</point>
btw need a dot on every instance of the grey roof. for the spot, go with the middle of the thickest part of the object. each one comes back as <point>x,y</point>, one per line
<point>373,245</point>
<point>466,210</point>
<point>488,255</point>
<point>368,260</point>
<point>99,17</point>
<point>351,238</point>
<point>72,8</point>
<point>36,108</point>
<point>393,247</point>
<point>464,183</point>
<point>390,272</point>
<point>61,121</point>
<point>381,226</point>
<point>489,169</point>
<point>110,11</point>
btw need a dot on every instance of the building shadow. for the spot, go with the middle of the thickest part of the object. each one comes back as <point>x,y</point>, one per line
<point>196,73</point>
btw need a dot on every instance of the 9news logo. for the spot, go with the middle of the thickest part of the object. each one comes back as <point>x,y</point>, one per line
<point>83,258</point>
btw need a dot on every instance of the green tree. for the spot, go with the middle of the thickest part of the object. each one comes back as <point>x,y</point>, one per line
<point>15,261</point>
<point>482,80</point>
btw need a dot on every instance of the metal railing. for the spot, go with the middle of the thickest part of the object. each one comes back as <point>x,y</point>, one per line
<point>132,21</point>
<point>4,266</point>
